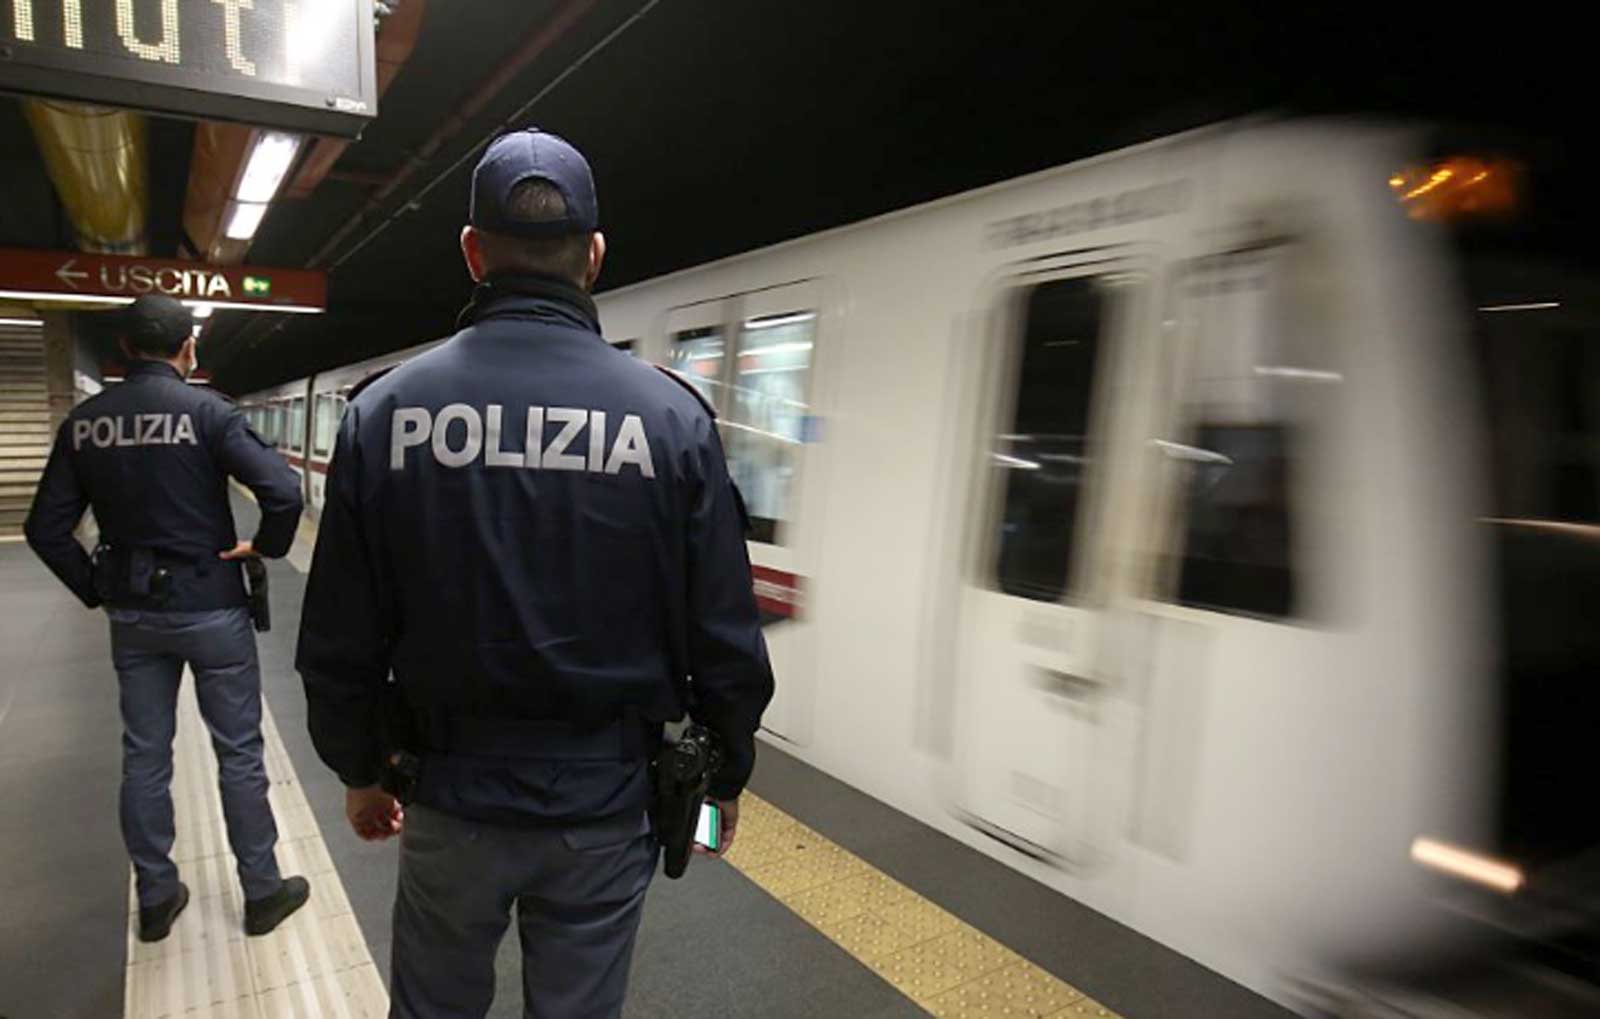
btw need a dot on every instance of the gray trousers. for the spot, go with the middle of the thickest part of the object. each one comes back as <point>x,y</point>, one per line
<point>149,650</point>
<point>578,893</point>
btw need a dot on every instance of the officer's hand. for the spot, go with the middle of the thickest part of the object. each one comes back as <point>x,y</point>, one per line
<point>374,815</point>
<point>729,811</point>
<point>243,550</point>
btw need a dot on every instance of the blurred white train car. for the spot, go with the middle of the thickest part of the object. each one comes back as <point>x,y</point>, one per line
<point>1123,521</point>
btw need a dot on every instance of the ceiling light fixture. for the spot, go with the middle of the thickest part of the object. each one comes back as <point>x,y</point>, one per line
<point>245,220</point>
<point>269,162</point>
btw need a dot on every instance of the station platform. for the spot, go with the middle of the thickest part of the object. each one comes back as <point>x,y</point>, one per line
<point>830,903</point>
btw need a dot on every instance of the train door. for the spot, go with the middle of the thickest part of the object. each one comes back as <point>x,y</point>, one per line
<point>1231,497</point>
<point>752,356</point>
<point>1032,674</point>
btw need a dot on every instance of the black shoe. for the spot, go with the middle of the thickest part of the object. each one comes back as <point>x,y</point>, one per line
<point>263,915</point>
<point>155,922</point>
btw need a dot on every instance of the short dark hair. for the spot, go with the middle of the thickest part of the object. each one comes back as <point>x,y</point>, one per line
<point>537,201</point>
<point>156,326</point>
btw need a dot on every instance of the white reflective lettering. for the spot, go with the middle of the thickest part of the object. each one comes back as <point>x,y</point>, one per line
<point>166,48</point>
<point>124,436</point>
<point>469,450</point>
<point>493,455</point>
<point>409,426</point>
<point>166,428</point>
<point>533,443</point>
<point>80,431</point>
<point>597,440</point>
<point>179,282</point>
<point>150,428</point>
<point>555,457</point>
<point>631,447</point>
<point>184,431</point>
<point>105,431</point>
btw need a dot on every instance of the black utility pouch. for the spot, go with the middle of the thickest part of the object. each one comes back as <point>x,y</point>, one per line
<point>101,572</point>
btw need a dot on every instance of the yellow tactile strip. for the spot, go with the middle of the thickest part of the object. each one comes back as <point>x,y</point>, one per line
<point>947,967</point>
<point>316,966</point>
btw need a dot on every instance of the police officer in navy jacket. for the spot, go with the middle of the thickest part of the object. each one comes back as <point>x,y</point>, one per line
<point>531,545</point>
<point>152,455</point>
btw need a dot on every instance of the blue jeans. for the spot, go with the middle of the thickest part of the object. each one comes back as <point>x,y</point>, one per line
<point>149,650</point>
<point>578,893</point>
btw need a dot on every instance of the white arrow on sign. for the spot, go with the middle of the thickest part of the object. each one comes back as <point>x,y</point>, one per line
<point>66,274</point>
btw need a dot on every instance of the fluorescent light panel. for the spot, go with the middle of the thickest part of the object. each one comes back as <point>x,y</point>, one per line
<point>269,162</point>
<point>245,220</point>
<point>32,323</point>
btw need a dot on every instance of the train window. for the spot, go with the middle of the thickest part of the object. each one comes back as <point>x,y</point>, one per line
<point>764,425</point>
<point>1042,455</point>
<point>297,424</point>
<point>1236,548</point>
<point>1262,378</point>
<point>696,355</point>
<point>326,422</point>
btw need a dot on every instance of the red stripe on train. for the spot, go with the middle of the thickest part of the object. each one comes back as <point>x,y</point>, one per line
<point>777,592</point>
<point>318,466</point>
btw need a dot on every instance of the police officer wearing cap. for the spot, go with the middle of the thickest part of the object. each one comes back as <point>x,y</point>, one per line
<point>537,536</point>
<point>152,456</point>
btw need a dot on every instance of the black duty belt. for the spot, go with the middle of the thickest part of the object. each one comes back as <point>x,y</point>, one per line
<point>147,579</point>
<point>545,740</point>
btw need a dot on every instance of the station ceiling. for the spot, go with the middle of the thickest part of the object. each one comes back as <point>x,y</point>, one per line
<point>716,127</point>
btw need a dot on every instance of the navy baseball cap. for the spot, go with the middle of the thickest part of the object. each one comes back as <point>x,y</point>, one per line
<point>156,324</point>
<point>532,154</point>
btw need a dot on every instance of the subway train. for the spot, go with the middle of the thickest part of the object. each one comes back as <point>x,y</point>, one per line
<point>1199,529</point>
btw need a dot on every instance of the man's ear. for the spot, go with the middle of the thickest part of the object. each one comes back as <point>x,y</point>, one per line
<point>472,252</point>
<point>597,257</point>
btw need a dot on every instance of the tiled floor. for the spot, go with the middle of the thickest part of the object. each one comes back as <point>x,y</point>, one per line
<point>316,965</point>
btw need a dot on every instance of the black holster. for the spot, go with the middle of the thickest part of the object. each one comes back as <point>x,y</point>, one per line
<point>255,577</point>
<point>681,775</point>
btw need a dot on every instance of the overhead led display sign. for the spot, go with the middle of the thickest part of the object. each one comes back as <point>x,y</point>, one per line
<point>300,65</point>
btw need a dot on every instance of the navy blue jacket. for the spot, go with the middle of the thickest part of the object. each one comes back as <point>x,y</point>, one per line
<point>525,523</point>
<point>153,455</point>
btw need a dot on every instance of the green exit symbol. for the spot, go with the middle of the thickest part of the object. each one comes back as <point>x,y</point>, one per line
<point>257,286</point>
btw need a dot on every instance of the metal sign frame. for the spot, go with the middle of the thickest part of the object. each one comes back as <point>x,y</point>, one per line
<point>47,69</point>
